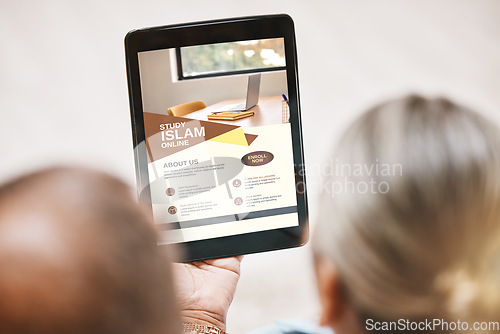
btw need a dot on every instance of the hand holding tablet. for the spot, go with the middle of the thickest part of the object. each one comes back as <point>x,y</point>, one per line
<point>227,185</point>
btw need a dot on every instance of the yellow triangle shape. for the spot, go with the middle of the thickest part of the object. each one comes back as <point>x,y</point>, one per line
<point>236,137</point>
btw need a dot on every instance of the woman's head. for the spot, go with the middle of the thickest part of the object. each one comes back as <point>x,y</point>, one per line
<point>413,227</point>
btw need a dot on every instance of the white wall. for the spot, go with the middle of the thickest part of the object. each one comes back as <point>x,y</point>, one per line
<point>161,92</point>
<point>64,93</point>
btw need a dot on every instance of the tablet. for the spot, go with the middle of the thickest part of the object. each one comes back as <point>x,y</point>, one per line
<point>217,180</point>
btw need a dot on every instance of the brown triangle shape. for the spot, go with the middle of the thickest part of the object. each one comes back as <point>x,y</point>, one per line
<point>250,138</point>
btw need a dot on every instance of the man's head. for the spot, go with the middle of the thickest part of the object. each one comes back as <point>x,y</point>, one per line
<point>78,255</point>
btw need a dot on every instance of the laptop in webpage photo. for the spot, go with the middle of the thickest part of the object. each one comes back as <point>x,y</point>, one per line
<point>252,95</point>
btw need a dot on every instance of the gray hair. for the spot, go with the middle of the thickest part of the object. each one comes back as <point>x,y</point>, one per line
<point>428,246</point>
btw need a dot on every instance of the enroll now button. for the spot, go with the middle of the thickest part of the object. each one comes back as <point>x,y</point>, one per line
<point>257,158</point>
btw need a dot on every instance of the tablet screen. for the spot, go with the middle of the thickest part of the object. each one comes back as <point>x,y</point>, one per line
<point>216,170</point>
<point>217,135</point>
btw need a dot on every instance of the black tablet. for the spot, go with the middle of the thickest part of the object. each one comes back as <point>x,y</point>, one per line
<point>217,134</point>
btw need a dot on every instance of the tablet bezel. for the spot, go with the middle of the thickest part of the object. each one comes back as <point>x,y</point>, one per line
<point>217,31</point>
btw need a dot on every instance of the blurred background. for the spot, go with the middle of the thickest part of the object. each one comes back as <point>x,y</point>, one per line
<point>63,92</point>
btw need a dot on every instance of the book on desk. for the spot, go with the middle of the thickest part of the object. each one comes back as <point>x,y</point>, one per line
<point>230,115</point>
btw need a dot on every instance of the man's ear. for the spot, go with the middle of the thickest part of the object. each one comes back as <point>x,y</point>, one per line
<point>333,303</point>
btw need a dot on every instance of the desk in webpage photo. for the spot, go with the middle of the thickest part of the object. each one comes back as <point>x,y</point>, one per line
<point>214,178</point>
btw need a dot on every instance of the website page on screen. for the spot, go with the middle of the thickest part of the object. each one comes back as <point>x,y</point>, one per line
<point>216,170</point>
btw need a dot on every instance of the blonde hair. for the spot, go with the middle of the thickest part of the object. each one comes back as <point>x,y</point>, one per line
<point>426,243</point>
